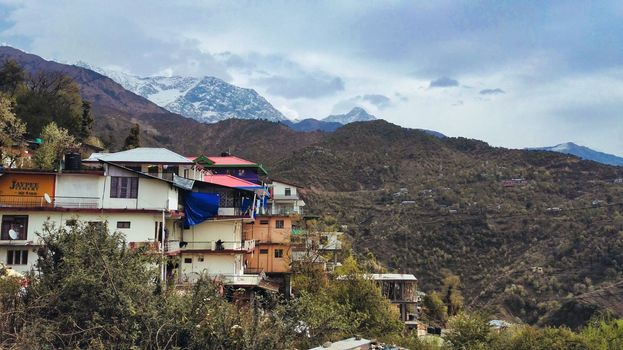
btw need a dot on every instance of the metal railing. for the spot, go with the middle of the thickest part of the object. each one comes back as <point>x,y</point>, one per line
<point>172,246</point>
<point>221,245</point>
<point>55,202</point>
<point>293,197</point>
<point>230,279</point>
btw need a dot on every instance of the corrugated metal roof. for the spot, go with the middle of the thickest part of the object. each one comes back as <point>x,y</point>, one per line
<point>230,181</point>
<point>346,344</point>
<point>230,160</point>
<point>392,277</point>
<point>141,155</point>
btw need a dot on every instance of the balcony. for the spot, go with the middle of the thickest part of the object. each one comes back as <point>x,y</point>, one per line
<point>283,197</point>
<point>228,279</point>
<point>7,201</point>
<point>172,247</point>
<point>221,246</point>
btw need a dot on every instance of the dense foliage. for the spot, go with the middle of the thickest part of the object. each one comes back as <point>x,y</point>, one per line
<point>91,291</point>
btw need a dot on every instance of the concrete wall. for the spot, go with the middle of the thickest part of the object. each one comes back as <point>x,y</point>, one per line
<point>209,231</point>
<point>267,262</point>
<point>213,264</point>
<point>279,189</point>
<point>142,229</point>
<point>152,193</point>
<point>269,232</point>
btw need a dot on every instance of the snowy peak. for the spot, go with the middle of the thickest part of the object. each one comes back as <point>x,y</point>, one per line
<point>357,114</point>
<point>206,99</point>
<point>584,153</point>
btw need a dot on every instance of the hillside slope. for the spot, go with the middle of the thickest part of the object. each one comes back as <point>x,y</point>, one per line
<point>521,250</point>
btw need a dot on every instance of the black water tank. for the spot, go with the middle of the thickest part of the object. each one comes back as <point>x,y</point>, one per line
<point>73,161</point>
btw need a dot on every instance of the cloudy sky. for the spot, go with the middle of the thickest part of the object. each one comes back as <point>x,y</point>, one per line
<point>512,73</point>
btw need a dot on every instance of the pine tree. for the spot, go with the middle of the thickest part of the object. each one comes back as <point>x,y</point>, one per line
<point>86,121</point>
<point>133,140</point>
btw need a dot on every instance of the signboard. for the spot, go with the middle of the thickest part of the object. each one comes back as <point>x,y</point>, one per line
<point>26,185</point>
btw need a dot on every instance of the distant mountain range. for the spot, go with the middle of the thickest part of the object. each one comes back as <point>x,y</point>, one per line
<point>332,122</point>
<point>205,99</point>
<point>583,152</point>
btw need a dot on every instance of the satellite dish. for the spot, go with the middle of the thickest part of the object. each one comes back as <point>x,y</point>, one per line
<point>13,234</point>
<point>47,198</point>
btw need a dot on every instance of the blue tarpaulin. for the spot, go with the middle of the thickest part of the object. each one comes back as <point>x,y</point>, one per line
<point>199,207</point>
<point>245,204</point>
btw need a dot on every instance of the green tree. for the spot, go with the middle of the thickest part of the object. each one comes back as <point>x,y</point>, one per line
<point>468,332</point>
<point>12,77</point>
<point>434,309</point>
<point>86,122</point>
<point>451,292</point>
<point>12,130</point>
<point>50,97</point>
<point>604,333</point>
<point>133,140</point>
<point>56,141</point>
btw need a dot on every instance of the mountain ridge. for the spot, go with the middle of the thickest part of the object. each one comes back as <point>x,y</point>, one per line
<point>582,152</point>
<point>206,99</point>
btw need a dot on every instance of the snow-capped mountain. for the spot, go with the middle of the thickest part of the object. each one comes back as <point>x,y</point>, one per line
<point>357,114</point>
<point>584,153</point>
<point>205,99</point>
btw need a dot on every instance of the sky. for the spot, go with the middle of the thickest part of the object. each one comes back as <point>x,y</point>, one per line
<point>512,73</point>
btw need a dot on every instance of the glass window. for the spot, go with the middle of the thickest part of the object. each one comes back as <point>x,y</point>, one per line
<point>263,251</point>
<point>123,187</point>
<point>263,222</point>
<point>14,227</point>
<point>17,257</point>
<point>279,224</point>
<point>278,253</point>
<point>123,224</point>
<point>188,260</point>
<point>288,191</point>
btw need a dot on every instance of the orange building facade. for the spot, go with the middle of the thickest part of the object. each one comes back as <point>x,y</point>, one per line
<point>272,253</point>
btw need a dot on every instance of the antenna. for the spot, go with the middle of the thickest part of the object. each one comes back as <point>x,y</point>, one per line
<point>13,234</point>
<point>47,198</point>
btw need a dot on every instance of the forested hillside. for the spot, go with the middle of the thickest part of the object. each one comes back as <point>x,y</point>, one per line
<point>423,205</point>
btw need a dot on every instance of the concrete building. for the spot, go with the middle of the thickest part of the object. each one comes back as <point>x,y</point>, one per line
<point>284,199</point>
<point>401,290</point>
<point>131,202</point>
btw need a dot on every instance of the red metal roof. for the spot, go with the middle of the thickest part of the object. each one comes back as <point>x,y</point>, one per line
<point>229,181</point>
<point>231,160</point>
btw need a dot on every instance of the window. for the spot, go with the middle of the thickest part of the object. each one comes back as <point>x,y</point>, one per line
<point>123,224</point>
<point>263,251</point>
<point>71,222</point>
<point>14,227</point>
<point>279,224</point>
<point>278,253</point>
<point>123,187</point>
<point>263,222</point>
<point>288,191</point>
<point>17,257</point>
<point>188,260</point>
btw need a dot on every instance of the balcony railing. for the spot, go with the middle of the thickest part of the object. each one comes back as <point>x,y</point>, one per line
<point>230,279</point>
<point>55,202</point>
<point>291,197</point>
<point>172,246</point>
<point>221,245</point>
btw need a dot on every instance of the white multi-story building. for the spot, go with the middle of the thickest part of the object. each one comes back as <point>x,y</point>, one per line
<point>146,193</point>
<point>284,199</point>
